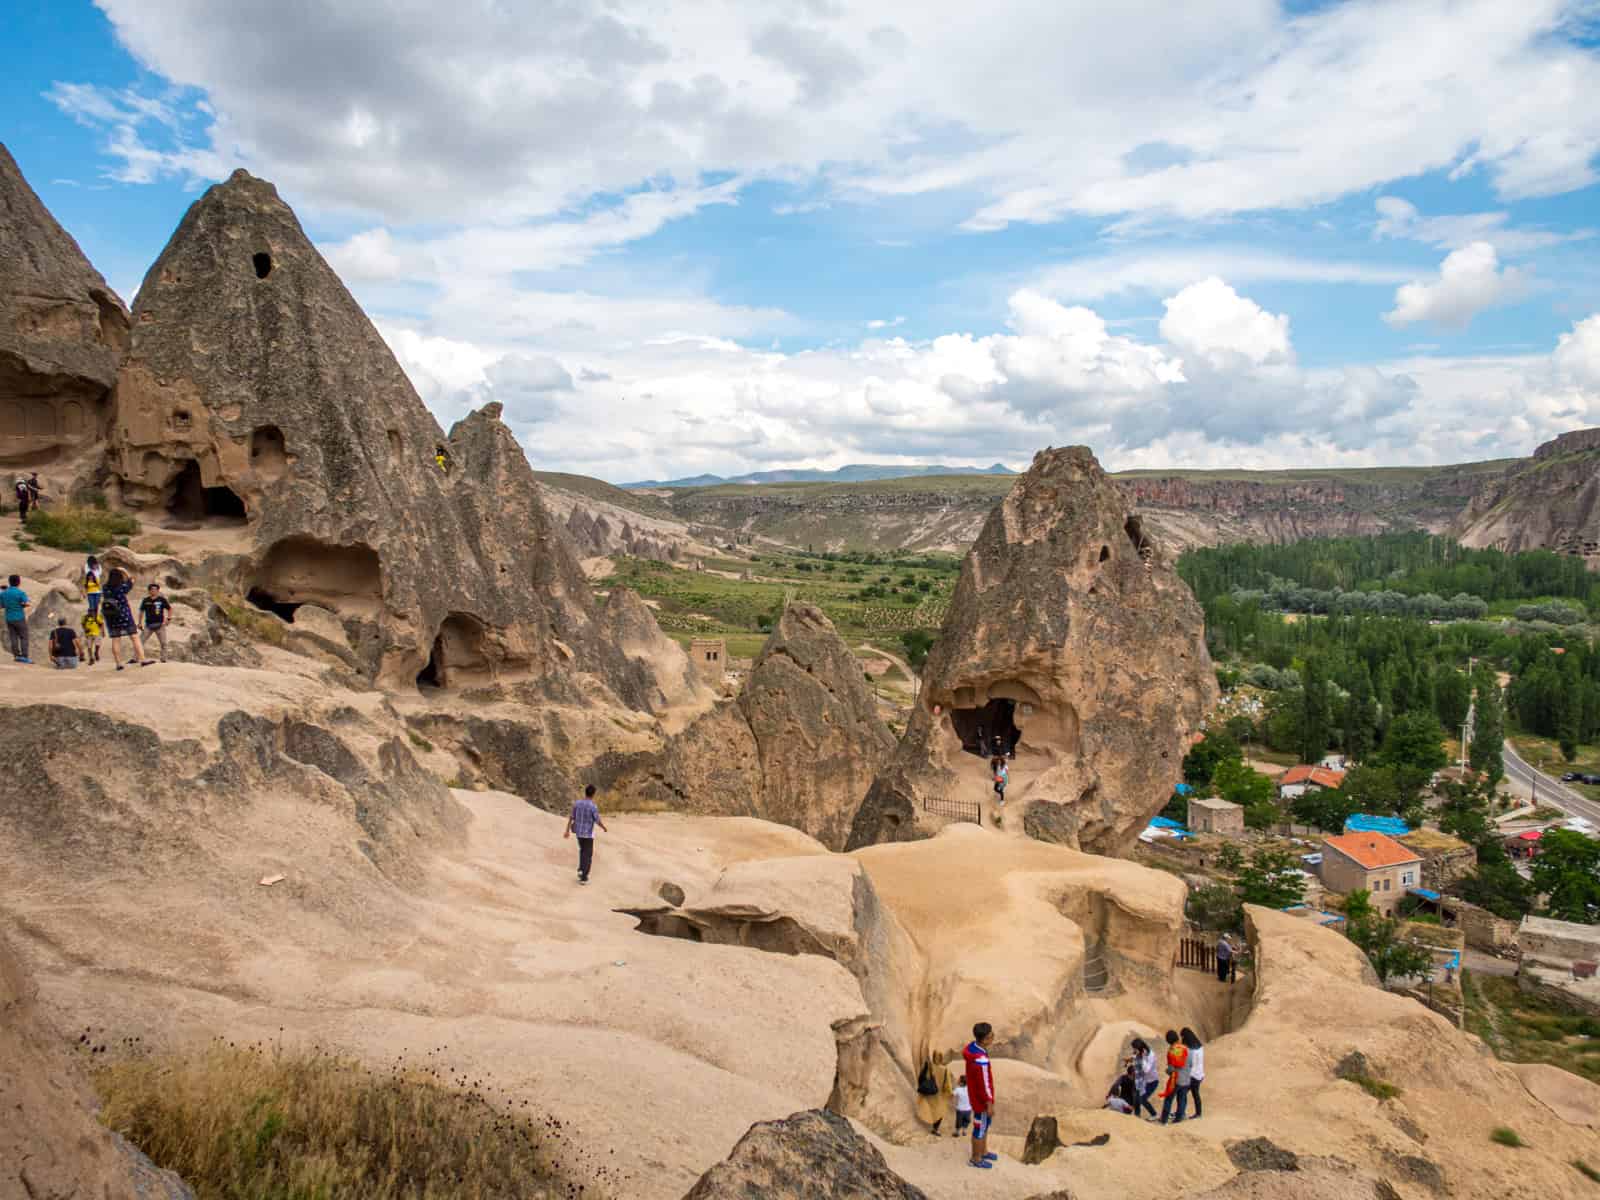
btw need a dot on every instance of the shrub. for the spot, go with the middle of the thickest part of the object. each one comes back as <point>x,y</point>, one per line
<point>1586,1170</point>
<point>420,742</point>
<point>268,1124</point>
<point>249,620</point>
<point>1376,1088</point>
<point>1506,1137</point>
<point>86,530</point>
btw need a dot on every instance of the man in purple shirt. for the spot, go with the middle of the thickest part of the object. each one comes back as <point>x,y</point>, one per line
<point>585,816</point>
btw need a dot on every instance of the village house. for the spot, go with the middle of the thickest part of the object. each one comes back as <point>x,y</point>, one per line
<point>1297,781</point>
<point>709,657</point>
<point>1211,815</point>
<point>1373,861</point>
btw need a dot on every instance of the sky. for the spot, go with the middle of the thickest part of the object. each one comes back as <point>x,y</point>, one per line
<point>685,236</point>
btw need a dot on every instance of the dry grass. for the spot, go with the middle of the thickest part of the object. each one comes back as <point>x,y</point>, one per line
<point>248,1123</point>
<point>79,528</point>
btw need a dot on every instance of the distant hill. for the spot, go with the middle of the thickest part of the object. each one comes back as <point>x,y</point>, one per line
<point>854,473</point>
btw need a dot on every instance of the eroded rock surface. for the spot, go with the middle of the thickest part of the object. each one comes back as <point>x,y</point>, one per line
<point>813,1155</point>
<point>800,744</point>
<point>1069,629</point>
<point>1548,502</point>
<point>62,334</point>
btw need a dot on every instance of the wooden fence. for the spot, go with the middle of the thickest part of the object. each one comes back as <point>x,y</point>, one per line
<point>1199,954</point>
<point>953,807</point>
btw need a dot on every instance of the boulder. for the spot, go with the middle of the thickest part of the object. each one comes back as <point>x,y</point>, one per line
<point>51,1144</point>
<point>799,745</point>
<point>1070,635</point>
<point>258,398</point>
<point>62,334</point>
<point>812,1155</point>
<point>1044,1139</point>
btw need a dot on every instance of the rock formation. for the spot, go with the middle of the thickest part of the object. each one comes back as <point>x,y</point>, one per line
<point>1070,635</point>
<point>813,1155</point>
<point>50,1142</point>
<point>799,745</point>
<point>1548,502</point>
<point>258,395</point>
<point>62,333</point>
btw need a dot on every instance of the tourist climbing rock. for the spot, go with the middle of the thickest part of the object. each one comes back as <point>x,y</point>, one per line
<point>16,604</point>
<point>119,617</point>
<point>980,1090</point>
<point>65,648</point>
<point>155,614</point>
<point>584,817</point>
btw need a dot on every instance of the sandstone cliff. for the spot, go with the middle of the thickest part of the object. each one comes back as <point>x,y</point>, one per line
<point>799,745</point>
<point>257,399</point>
<point>1069,628</point>
<point>62,333</point>
<point>1548,502</point>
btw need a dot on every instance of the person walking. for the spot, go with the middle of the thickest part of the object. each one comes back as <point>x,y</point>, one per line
<point>1197,1065</point>
<point>1146,1074</point>
<point>1001,776</point>
<point>1177,1079</point>
<point>155,614</point>
<point>24,498</point>
<point>35,489</point>
<point>92,628</point>
<point>65,648</point>
<point>580,824</point>
<point>16,604</point>
<point>963,1108</point>
<point>119,616</point>
<point>980,1091</point>
<point>1224,958</point>
<point>93,575</point>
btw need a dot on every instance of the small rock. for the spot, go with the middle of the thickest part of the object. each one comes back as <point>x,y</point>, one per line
<point>672,894</point>
<point>1354,1065</point>
<point>269,880</point>
<point>1044,1137</point>
<point>1259,1154</point>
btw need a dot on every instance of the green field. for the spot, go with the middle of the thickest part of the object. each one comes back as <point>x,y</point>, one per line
<point>1524,1028</point>
<point>872,600</point>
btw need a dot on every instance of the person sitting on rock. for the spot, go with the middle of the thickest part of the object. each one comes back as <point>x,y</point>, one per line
<point>119,616</point>
<point>65,648</point>
<point>1124,1093</point>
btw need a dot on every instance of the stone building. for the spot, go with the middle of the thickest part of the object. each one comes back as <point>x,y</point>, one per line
<point>1381,865</point>
<point>1212,815</point>
<point>709,657</point>
<point>1560,959</point>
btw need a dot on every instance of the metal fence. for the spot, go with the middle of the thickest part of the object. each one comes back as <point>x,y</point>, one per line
<point>943,804</point>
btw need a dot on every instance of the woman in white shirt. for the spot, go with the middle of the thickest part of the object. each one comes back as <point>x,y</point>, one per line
<point>1197,1066</point>
<point>1148,1075</point>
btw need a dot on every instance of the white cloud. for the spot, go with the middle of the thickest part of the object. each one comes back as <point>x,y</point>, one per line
<point>1213,321</point>
<point>1166,270</point>
<point>371,257</point>
<point>1470,280</point>
<point>1577,356</point>
<point>1033,110</point>
<point>1399,218</point>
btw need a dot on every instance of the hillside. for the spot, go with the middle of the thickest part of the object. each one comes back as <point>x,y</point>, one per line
<point>1550,501</point>
<point>1183,508</point>
<point>852,473</point>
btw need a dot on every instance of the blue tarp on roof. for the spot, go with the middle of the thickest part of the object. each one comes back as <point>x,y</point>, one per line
<point>1183,789</point>
<point>1167,823</point>
<point>1425,893</point>
<point>1362,823</point>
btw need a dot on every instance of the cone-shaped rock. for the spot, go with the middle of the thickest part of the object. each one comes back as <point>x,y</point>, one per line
<point>1069,638</point>
<point>800,745</point>
<point>258,397</point>
<point>62,333</point>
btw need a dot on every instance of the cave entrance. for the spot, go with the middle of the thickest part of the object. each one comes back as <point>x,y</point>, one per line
<point>267,602</point>
<point>268,457</point>
<point>991,729</point>
<point>345,579</point>
<point>191,500</point>
<point>459,654</point>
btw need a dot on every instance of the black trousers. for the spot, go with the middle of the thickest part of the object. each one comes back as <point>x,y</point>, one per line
<point>1194,1092</point>
<point>585,856</point>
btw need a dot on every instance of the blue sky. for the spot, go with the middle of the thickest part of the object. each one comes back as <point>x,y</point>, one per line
<point>734,236</point>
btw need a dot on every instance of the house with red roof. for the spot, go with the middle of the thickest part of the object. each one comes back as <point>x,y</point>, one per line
<point>1297,781</point>
<point>1373,861</point>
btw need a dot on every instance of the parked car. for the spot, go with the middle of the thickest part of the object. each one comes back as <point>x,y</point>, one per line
<point>1570,777</point>
<point>1586,777</point>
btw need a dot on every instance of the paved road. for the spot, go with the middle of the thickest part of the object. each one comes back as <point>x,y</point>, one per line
<point>1550,791</point>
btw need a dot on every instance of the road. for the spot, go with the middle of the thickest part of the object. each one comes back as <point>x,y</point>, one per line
<point>1550,791</point>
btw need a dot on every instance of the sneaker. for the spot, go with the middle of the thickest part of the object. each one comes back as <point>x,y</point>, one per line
<point>991,1157</point>
<point>985,1164</point>
<point>27,661</point>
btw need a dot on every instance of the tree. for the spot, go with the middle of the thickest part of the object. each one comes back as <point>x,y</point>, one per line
<point>1452,697</point>
<point>1360,717</point>
<point>1214,907</point>
<point>1316,712</point>
<point>1373,790</point>
<point>1325,808</point>
<point>1496,886</point>
<point>1414,739</point>
<point>1391,956</point>
<point>1242,785</point>
<point>1230,858</point>
<point>1488,727</point>
<point>1358,906</point>
<point>1271,879</point>
<point>1205,756</point>
<point>917,643</point>
<point>1465,812</point>
<point>1567,871</point>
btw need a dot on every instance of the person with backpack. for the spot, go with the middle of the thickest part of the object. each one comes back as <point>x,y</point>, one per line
<point>65,648</point>
<point>24,498</point>
<point>118,616</point>
<point>93,573</point>
<point>980,1091</point>
<point>155,614</point>
<point>16,604</point>
<point>93,628</point>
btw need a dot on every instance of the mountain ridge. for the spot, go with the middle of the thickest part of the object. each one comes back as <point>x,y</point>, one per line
<point>849,473</point>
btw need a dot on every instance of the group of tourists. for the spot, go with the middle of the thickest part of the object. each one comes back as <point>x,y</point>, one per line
<point>1141,1075</point>
<point>109,616</point>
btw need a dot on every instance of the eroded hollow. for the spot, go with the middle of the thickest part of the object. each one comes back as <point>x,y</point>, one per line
<point>301,570</point>
<point>266,602</point>
<point>1134,528</point>
<point>262,262</point>
<point>988,730</point>
<point>189,499</point>
<point>460,654</point>
<point>268,456</point>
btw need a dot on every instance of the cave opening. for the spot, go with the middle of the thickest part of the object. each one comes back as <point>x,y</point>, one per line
<point>191,500</point>
<point>267,602</point>
<point>459,653</point>
<point>344,579</point>
<point>262,261</point>
<point>432,673</point>
<point>989,730</point>
<point>268,455</point>
<point>1134,528</point>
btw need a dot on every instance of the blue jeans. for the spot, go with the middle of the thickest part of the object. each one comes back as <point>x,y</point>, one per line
<point>1146,1090</point>
<point>1179,1093</point>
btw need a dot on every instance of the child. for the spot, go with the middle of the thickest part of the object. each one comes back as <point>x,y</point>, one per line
<point>998,766</point>
<point>963,1108</point>
<point>91,634</point>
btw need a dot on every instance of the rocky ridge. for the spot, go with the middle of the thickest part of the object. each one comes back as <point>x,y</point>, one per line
<point>1548,502</point>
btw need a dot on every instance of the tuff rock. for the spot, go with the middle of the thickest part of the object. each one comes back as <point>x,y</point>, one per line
<point>812,1155</point>
<point>1068,621</point>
